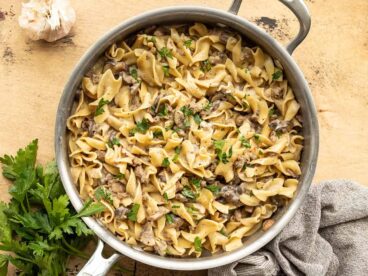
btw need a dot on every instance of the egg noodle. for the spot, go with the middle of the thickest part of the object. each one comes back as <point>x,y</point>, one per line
<point>189,136</point>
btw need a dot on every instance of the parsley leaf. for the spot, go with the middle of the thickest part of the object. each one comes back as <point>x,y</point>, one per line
<point>152,39</point>
<point>113,142</point>
<point>101,193</point>
<point>141,127</point>
<point>165,162</point>
<point>197,118</point>
<point>120,176</point>
<point>99,110</point>
<point>177,153</point>
<point>222,156</point>
<point>166,69</point>
<point>213,188</point>
<point>133,72</point>
<point>244,142</point>
<point>257,137</point>
<point>132,215</point>
<point>186,111</point>
<point>196,182</point>
<point>166,197</point>
<point>20,169</point>
<point>206,66</point>
<point>188,43</point>
<point>222,232</point>
<point>162,110</point>
<point>187,192</point>
<point>157,134</point>
<point>208,106</point>
<point>198,244</point>
<point>276,75</point>
<point>165,53</point>
<point>169,218</point>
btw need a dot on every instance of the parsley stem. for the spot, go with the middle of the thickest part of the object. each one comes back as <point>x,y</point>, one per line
<point>27,200</point>
<point>74,250</point>
<point>25,259</point>
<point>23,208</point>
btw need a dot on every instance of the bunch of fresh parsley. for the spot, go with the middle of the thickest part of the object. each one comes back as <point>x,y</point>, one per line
<point>39,229</point>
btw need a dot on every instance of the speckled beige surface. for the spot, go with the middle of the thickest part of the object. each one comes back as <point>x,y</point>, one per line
<point>334,59</point>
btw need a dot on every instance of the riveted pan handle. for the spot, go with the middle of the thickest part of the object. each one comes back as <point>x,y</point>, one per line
<point>299,9</point>
<point>97,265</point>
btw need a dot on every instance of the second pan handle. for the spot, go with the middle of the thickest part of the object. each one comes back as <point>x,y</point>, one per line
<point>299,9</point>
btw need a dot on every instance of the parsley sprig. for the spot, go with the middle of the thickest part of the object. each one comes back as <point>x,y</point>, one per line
<point>99,110</point>
<point>141,127</point>
<point>165,53</point>
<point>221,155</point>
<point>39,227</point>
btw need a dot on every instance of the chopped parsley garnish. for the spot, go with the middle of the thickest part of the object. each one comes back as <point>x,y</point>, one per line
<point>278,133</point>
<point>186,111</point>
<point>222,156</point>
<point>165,162</point>
<point>245,142</point>
<point>101,193</point>
<point>162,110</point>
<point>197,118</point>
<point>175,206</point>
<point>113,142</point>
<point>166,68</point>
<point>276,75</point>
<point>100,105</point>
<point>196,182</point>
<point>133,72</point>
<point>177,152</point>
<point>208,106</point>
<point>188,43</point>
<point>187,192</point>
<point>165,53</point>
<point>141,127</point>
<point>157,134</point>
<point>152,39</point>
<point>191,209</point>
<point>198,244</point>
<point>166,197</point>
<point>222,232</point>
<point>213,188</point>
<point>120,176</point>
<point>206,66</point>
<point>271,112</point>
<point>169,218</point>
<point>257,137</point>
<point>132,215</point>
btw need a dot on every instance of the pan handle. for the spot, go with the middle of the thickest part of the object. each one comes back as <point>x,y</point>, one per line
<point>299,9</point>
<point>97,265</point>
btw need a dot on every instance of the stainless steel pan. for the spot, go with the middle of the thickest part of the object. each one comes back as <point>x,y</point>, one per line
<point>98,265</point>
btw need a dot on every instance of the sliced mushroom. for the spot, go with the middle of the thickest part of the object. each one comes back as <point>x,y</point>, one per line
<point>121,212</point>
<point>161,211</point>
<point>147,236</point>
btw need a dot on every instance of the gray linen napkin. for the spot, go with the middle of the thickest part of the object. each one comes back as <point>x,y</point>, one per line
<point>327,236</point>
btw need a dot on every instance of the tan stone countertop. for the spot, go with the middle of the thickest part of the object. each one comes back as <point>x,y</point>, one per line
<point>334,59</point>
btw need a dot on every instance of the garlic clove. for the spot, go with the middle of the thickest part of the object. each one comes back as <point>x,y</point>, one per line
<point>47,19</point>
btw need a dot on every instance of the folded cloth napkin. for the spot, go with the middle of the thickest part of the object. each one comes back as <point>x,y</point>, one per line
<point>327,236</point>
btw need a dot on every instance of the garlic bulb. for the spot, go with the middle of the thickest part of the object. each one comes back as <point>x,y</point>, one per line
<point>47,19</point>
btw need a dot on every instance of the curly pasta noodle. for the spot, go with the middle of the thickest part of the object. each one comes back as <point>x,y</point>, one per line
<point>189,138</point>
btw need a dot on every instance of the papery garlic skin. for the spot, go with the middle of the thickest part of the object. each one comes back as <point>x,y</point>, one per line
<point>47,19</point>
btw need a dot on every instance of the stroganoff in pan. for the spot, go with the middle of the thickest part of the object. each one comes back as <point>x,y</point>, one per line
<point>189,136</point>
